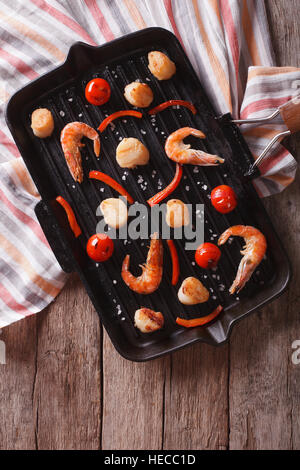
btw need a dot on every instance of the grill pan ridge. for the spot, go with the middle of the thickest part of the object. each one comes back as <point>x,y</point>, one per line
<point>62,91</point>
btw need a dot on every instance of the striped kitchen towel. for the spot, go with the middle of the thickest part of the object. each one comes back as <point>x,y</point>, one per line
<point>228,43</point>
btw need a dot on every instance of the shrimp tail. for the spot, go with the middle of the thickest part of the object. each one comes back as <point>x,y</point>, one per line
<point>155,253</point>
<point>224,237</point>
<point>205,159</point>
<point>245,271</point>
<point>97,146</point>
<point>74,164</point>
<point>126,263</point>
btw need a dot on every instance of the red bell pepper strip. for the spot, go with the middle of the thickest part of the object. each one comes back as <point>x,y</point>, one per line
<point>117,114</point>
<point>157,198</point>
<point>71,216</point>
<point>166,104</point>
<point>98,175</point>
<point>175,262</point>
<point>199,321</point>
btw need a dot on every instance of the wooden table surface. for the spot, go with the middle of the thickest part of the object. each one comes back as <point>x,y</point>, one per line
<point>65,387</point>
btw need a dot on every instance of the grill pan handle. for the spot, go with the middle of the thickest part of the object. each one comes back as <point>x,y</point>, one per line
<point>54,234</point>
<point>290,114</point>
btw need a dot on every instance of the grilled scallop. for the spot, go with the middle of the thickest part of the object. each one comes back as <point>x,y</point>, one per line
<point>160,65</point>
<point>147,321</point>
<point>131,153</point>
<point>177,213</point>
<point>114,211</point>
<point>192,292</point>
<point>42,122</point>
<point>138,94</point>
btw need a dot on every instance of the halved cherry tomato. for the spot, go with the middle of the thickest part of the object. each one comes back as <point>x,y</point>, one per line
<point>207,255</point>
<point>224,199</point>
<point>100,247</point>
<point>97,91</point>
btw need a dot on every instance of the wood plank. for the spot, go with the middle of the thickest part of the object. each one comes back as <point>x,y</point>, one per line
<point>50,388</point>
<point>259,398</point>
<point>17,417</point>
<point>67,387</point>
<point>196,399</point>
<point>264,384</point>
<point>133,402</point>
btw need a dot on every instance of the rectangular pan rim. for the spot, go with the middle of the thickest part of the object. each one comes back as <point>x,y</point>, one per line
<point>62,67</point>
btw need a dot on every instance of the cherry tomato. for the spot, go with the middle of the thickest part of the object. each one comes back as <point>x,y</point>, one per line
<point>224,199</point>
<point>97,91</point>
<point>207,255</point>
<point>100,247</point>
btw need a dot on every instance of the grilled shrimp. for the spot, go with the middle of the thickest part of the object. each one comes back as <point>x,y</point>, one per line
<point>151,276</point>
<point>70,139</point>
<point>182,153</point>
<point>253,252</point>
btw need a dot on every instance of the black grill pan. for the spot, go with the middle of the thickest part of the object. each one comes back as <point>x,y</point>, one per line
<point>62,91</point>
